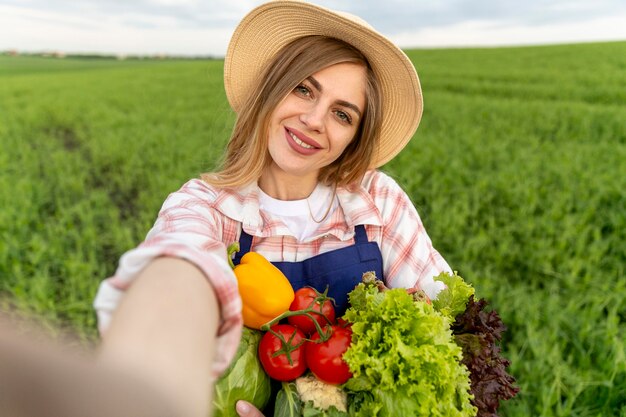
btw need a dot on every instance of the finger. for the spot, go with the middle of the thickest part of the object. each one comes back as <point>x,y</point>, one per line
<point>245,409</point>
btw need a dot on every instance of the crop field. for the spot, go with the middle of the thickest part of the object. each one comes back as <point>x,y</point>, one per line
<point>518,170</point>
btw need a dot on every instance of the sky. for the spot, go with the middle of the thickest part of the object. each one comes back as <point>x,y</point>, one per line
<point>204,27</point>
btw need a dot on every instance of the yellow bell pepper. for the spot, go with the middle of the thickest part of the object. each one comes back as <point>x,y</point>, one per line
<point>265,291</point>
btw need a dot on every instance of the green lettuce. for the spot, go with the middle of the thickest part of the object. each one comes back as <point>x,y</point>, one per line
<point>403,357</point>
<point>452,301</point>
<point>288,402</point>
<point>244,379</point>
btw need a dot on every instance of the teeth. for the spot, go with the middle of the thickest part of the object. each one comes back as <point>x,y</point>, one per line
<point>299,142</point>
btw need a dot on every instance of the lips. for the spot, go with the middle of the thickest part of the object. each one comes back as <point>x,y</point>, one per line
<point>301,143</point>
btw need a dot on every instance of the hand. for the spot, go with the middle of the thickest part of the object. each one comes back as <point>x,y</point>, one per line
<point>245,409</point>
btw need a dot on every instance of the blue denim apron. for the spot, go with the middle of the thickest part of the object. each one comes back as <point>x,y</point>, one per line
<point>340,269</point>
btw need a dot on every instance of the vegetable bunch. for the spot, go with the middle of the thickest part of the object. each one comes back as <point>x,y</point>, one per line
<point>393,353</point>
<point>411,356</point>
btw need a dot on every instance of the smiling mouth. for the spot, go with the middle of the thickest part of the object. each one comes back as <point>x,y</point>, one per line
<point>300,142</point>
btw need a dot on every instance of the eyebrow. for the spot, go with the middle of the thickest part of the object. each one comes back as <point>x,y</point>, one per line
<point>343,103</point>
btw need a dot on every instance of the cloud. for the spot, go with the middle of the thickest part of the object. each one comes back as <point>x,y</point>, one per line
<point>128,34</point>
<point>198,13</point>
<point>203,27</point>
<point>394,16</point>
<point>490,33</point>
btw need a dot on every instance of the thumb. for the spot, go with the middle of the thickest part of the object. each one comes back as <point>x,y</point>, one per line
<point>245,409</point>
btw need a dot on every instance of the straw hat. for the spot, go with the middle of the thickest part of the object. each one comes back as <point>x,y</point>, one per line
<point>271,26</point>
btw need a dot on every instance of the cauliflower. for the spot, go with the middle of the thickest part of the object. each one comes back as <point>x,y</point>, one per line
<point>322,395</point>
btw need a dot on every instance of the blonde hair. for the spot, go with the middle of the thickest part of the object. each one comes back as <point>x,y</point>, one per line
<point>247,152</point>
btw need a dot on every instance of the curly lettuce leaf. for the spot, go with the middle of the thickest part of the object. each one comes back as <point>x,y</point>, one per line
<point>453,299</point>
<point>478,332</point>
<point>403,358</point>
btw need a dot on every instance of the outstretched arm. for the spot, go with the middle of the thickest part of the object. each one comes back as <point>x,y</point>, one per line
<point>155,360</point>
<point>165,331</point>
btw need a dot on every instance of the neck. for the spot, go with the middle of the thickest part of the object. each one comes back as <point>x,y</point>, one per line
<point>286,187</point>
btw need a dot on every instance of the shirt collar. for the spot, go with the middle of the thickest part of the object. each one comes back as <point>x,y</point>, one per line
<point>356,207</point>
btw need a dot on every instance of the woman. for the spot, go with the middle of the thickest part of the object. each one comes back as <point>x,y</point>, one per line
<point>322,100</point>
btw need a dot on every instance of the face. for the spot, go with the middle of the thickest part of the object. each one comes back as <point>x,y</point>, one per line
<point>315,123</point>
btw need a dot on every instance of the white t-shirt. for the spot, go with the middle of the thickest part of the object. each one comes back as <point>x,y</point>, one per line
<point>299,215</point>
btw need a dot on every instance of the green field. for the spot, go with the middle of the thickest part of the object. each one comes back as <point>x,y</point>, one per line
<point>518,170</point>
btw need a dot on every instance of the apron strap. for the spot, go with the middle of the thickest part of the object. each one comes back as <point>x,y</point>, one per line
<point>360,236</point>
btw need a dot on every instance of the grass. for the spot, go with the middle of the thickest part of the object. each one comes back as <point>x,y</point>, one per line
<point>517,171</point>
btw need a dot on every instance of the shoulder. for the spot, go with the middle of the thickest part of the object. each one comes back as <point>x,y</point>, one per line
<point>379,184</point>
<point>197,192</point>
<point>193,190</point>
<point>391,201</point>
<point>198,187</point>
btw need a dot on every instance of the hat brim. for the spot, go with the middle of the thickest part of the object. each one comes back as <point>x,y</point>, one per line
<point>271,26</point>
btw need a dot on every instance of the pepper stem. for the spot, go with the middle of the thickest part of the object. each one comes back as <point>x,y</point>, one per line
<point>230,251</point>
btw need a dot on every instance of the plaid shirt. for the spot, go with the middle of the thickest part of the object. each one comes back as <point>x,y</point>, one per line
<point>199,221</point>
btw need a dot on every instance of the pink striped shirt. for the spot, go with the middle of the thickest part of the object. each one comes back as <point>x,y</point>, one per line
<point>199,221</point>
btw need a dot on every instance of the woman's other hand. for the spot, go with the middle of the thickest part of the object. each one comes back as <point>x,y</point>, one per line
<point>245,409</point>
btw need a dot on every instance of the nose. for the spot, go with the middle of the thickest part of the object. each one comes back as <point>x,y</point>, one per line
<point>313,117</point>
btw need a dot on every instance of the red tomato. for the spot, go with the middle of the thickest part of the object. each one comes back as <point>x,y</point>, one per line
<point>304,298</point>
<point>324,359</point>
<point>278,366</point>
<point>341,322</point>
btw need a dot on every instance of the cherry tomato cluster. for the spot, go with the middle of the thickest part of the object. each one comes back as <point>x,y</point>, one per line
<point>313,340</point>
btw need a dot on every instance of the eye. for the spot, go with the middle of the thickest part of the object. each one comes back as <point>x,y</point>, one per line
<point>302,90</point>
<point>343,116</point>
